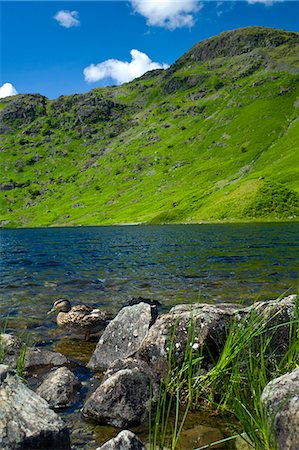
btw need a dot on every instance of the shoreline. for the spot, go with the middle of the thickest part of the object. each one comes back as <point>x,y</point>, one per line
<point>147,224</point>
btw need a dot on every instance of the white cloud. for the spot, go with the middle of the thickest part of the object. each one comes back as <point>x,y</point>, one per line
<point>169,14</point>
<point>122,71</point>
<point>67,19</point>
<point>7,89</point>
<point>265,2</point>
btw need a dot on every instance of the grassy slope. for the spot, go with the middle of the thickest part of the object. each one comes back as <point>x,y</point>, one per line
<point>204,141</point>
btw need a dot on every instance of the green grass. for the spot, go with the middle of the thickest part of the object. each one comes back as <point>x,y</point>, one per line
<point>20,357</point>
<point>233,386</point>
<point>194,143</point>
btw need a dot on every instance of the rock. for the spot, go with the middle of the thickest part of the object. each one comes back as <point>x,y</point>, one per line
<point>21,110</point>
<point>280,399</point>
<point>10,348</point>
<point>36,357</point>
<point>59,388</point>
<point>275,313</point>
<point>149,301</point>
<point>124,335</point>
<point>26,421</point>
<point>205,325</point>
<point>125,440</point>
<point>123,398</point>
<point>9,343</point>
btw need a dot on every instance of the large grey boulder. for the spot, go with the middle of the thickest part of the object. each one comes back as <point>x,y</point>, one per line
<point>59,387</point>
<point>125,440</point>
<point>281,401</point>
<point>202,326</point>
<point>205,328</point>
<point>124,397</point>
<point>124,334</point>
<point>26,421</point>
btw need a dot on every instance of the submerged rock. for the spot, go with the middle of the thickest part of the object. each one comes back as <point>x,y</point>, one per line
<point>26,421</point>
<point>123,398</point>
<point>125,440</point>
<point>36,357</point>
<point>124,334</point>
<point>12,347</point>
<point>59,388</point>
<point>281,401</point>
<point>200,436</point>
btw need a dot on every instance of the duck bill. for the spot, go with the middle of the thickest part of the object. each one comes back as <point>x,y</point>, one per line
<point>51,311</point>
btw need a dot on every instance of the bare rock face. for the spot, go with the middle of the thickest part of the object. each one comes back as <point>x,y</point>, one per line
<point>281,401</point>
<point>59,388</point>
<point>26,421</point>
<point>124,335</point>
<point>125,440</point>
<point>123,398</point>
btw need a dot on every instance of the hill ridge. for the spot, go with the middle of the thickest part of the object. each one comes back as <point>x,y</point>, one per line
<point>209,139</point>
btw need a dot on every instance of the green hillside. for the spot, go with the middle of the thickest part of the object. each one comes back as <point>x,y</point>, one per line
<point>213,138</point>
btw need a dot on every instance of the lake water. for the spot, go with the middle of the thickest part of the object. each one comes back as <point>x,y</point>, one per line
<point>106,266</point>
<point>171,263</point>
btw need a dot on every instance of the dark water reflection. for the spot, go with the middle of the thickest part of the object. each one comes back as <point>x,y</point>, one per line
<point>173,264</point>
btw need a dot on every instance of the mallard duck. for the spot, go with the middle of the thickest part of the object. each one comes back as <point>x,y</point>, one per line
<point>79,319</point>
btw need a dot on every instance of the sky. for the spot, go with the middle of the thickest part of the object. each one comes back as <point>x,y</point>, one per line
<point>59,48</point>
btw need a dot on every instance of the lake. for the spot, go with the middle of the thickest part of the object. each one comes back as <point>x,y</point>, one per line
<point>107,266</point>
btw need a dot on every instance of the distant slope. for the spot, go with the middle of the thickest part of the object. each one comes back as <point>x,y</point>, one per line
<point>212,138</point>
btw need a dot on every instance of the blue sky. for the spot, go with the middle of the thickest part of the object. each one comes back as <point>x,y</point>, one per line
<point>48,55</point>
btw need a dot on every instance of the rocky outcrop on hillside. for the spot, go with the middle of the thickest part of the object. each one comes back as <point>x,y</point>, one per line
<point>237,42</point>
<point>21,110</point>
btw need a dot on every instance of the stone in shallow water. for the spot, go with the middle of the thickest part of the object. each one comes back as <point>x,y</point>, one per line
<point>124,334</point>
<point>199,436</point>
<point>26,421</point>
<point>59,388</point>
<point>36,357</point>
<point>125,440</point>
<point>123,398</point>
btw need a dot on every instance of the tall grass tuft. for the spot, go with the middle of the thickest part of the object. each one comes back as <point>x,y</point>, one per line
<point>20,360</point>
<point>235,383</point>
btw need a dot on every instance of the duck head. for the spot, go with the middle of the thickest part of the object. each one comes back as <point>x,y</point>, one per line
<point>61,305</point>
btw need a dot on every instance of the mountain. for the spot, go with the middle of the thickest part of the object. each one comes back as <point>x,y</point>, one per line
<point>212,138</point>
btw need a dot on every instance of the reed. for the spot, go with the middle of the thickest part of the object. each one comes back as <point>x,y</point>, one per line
<point>233,386</point>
